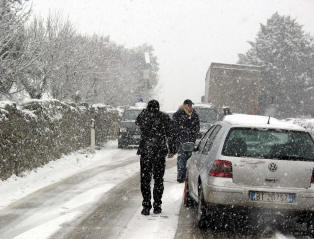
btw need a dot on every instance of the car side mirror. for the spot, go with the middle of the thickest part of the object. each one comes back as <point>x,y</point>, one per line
<point>195,148</point>
<point>188,147</point>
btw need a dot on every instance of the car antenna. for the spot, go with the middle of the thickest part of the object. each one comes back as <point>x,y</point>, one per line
<point>268,119</point>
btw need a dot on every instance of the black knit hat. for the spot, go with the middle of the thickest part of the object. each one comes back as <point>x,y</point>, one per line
<point>153,105</point>
<point>188,102</point>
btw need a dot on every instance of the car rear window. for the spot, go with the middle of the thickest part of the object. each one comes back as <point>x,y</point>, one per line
<point>269,144</point>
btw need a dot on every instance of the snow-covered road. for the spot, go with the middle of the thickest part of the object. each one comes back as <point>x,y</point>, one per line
<point>41,213</point>
<point>86,195</point>
<point>39,204</point>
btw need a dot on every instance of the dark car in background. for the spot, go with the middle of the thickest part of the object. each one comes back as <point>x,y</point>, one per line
<point>129,133</point>
<point>170,113</point>
<point>208,115</point>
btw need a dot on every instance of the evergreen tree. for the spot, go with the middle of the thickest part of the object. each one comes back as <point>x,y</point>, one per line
<point>285,53</point>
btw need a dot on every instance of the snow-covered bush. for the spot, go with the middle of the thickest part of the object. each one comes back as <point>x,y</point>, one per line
<point>39,131</point>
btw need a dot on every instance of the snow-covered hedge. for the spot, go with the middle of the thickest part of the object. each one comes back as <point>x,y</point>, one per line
<point>39,131</point>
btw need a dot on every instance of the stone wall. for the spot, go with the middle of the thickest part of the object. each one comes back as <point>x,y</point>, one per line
<point>39,131</point>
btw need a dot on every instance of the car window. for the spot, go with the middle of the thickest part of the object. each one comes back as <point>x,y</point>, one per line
<point>204,138</point>
<point>206,115</point>
<point>211,139</point>
<point>170,114</point>
<point>269,144</point>
<point>131,114</point>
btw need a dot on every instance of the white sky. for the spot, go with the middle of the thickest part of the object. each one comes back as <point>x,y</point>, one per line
<point>187,34</point>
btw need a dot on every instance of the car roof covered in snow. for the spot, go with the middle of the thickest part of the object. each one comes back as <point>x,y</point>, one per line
<point>204,105</point>
<point>259,121</point>
<point>135,108</point>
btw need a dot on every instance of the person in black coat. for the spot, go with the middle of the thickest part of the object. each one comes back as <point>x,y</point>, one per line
<point>187,127</point>
<point>156,133</point>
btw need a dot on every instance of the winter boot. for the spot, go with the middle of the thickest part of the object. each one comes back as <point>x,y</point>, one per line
<point>145,211</point>
<point>157,210</point>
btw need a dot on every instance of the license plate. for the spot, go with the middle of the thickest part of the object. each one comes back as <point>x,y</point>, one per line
<point>272,197</point>
<point>136,136</point>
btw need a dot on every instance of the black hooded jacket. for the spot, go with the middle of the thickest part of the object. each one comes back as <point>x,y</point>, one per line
<point>186,127</point>
<point>156,132</point>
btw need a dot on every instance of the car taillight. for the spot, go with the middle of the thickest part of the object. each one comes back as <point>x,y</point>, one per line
<point>221,168</point>
<point>312,179</point>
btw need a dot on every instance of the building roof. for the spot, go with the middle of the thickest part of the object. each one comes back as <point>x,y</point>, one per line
<point>235,66</point>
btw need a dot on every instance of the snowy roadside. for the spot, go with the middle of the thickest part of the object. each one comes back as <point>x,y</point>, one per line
<point>161,226</point>
<point>46,222</point>
<point>15,188</point>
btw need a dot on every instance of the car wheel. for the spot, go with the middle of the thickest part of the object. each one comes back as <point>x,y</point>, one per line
<point>187,199</point>
<point>201,209</point>
<point>310,226</point>
<point>120,145</point>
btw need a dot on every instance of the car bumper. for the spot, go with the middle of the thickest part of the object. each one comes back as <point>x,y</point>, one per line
<point>240,196</point>
<point>129,139</point>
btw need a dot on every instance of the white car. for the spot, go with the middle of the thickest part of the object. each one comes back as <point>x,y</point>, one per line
<point>246,162</point>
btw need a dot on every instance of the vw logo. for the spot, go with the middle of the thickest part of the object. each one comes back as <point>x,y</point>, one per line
<point>272,167</point>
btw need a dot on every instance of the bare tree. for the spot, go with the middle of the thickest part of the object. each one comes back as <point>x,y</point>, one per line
<point>94,69</point>
<point>48,45</point>
<point>12,18</point>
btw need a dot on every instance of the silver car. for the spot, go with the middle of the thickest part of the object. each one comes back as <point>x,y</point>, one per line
<point>250,162</point>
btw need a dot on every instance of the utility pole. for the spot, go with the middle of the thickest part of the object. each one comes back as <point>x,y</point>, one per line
<point>92,136</point>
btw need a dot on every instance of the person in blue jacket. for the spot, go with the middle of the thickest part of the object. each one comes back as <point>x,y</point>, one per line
<point>187,127</point>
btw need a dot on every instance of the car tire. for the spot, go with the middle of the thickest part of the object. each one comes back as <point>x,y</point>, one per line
<point>310,226</point>
<point>120,145</point>
<point>201,209</point>
<point>187,199</point>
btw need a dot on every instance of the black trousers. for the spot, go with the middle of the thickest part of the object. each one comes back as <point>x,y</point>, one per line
<point>152,165</point>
